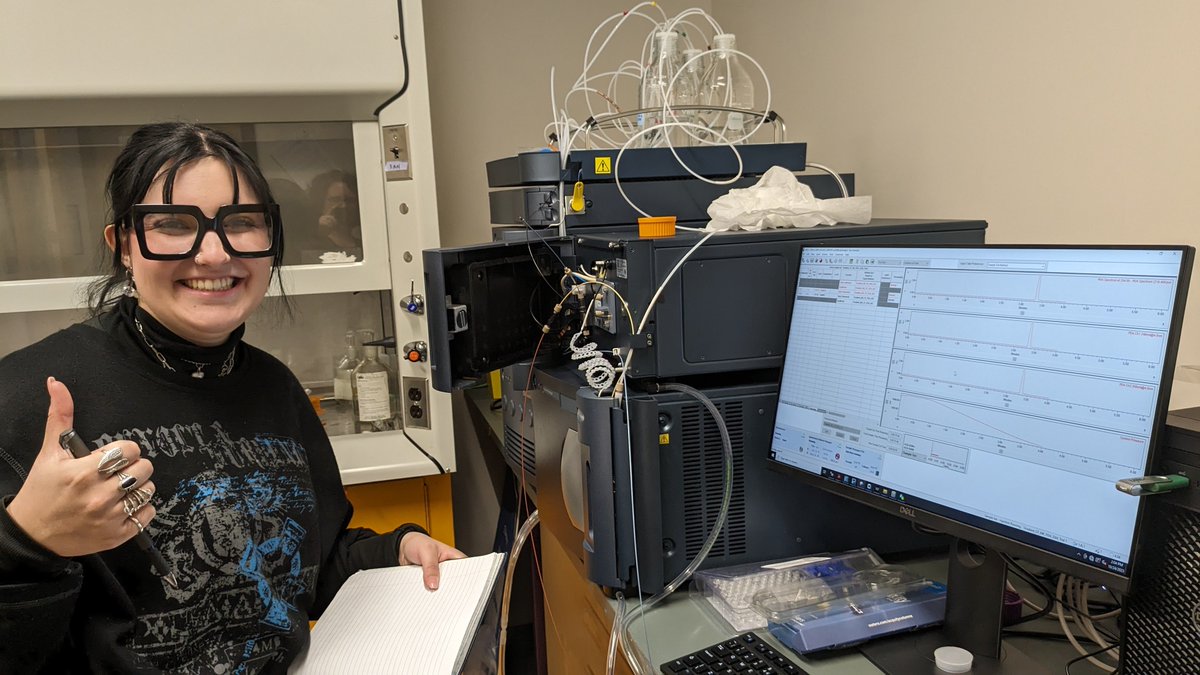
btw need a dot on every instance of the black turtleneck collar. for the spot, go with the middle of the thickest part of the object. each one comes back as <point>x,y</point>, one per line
<point>180,354</point>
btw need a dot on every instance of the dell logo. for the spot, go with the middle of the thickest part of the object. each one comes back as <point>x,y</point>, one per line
<point>908,511</point>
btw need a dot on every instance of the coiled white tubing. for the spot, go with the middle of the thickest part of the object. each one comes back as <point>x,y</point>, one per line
<point>599,372</point>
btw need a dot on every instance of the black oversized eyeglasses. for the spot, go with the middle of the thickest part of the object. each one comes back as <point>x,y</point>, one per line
<point>175,231</point>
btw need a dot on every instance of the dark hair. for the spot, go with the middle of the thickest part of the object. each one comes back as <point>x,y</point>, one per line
<point>164,148</point>
<point>320,185</point>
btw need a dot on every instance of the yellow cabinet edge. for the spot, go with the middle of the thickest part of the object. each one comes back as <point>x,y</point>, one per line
<point>425,501</point>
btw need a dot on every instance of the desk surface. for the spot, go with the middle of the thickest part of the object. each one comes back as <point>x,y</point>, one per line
<point>684,623</point>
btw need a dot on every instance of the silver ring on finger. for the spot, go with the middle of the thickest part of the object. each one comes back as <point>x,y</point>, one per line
<point>126,482</point>
<point>135,499</point>
<point>111,462</point>
<point>130,516</point>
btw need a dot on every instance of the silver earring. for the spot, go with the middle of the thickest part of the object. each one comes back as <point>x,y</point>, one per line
<point>130,286</point>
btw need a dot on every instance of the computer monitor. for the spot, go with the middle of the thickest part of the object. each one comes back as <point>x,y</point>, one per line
<point>995,393</point>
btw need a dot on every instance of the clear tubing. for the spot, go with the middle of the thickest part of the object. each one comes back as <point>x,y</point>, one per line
<point>607,94</point>
<point>831,172</point>
<point>689,12</point>
<point>610,26</point>
<point>636,660</point>
<point>637,567</point>
<point>610,658</point>
<point>522,535</point>
<point>688,38</point>
<point>620,386</point>
<point>667,125</point>
<point>588,62</point>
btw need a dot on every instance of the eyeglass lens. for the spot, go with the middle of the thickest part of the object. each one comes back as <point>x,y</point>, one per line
<point>175,233</point>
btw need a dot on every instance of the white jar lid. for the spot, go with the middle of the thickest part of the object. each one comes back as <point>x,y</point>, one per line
<point>953,659</point>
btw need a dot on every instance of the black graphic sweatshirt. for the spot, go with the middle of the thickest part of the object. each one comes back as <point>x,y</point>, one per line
<point>251,513</point>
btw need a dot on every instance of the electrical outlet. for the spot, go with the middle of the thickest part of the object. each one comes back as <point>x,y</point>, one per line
<point>414,401</point>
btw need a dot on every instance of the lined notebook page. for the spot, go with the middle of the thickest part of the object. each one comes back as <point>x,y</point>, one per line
<point>385,621</point>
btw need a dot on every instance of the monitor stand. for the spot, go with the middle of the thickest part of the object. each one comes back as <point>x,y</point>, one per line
<point>974,603</point>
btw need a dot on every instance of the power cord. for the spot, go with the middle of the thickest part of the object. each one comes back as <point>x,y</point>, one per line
<point>1091,657</point>
<point>1073,605</point>
<point>403,56</point>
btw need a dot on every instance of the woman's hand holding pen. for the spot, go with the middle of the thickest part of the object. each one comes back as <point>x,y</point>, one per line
<point>79,506</point>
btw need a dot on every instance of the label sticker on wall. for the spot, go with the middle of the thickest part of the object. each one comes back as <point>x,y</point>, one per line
<point>395,165</point>
<point>604,165</point>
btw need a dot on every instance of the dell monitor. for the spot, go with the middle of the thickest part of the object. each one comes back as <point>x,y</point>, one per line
<point>994,393</point>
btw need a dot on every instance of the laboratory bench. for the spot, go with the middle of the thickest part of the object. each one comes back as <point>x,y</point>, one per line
<point>684,623</point>
<point>574,625</point>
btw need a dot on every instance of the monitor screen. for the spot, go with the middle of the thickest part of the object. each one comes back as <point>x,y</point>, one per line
<point>1004,390</point>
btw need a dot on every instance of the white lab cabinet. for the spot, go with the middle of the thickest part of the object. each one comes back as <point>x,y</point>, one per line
<point>305,109</point>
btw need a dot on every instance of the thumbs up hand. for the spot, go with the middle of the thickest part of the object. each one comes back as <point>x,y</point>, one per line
<point>70,505</point>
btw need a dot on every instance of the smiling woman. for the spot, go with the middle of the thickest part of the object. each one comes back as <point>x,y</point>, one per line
<point>205,443</point>
<point>181,189</point>
<point>193,279</point>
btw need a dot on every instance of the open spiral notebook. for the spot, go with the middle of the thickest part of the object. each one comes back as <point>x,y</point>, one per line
<point>385,621</point>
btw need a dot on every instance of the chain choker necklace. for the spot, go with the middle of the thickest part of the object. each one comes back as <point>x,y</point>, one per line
<point>226,367</point>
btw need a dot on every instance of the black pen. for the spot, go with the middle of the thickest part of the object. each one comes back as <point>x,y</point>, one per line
<point>71,442</point>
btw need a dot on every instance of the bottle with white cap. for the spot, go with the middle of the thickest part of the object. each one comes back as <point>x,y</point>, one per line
<point>687,92</point>
<point>726,84</point>
<point>656,79</point>
<point>373,401</point>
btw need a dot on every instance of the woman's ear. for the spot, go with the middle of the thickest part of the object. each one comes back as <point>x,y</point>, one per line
<point>110,238</point>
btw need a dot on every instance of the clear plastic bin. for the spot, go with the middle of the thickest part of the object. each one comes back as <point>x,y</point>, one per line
<point>731,590</point>
<point>810,615</point>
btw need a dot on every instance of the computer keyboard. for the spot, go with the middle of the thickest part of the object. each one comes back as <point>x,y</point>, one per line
<point>746,654</point>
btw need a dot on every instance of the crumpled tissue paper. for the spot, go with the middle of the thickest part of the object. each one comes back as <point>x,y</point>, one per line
<point>778,199</point>
<point>337,257</point>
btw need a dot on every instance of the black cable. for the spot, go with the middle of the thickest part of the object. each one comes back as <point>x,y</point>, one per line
<point>532,295</point>
<point>1051,600</point>
<point>404,56</point>
<point>440,468</point>
<point>1077,659</point>
<point>1036,635</point>
<point>529,247</point>
<point>1113,595</point>
<point>1037,584</point>
<point>384,323</point>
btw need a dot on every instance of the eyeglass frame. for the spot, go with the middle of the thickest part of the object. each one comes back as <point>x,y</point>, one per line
<point>138,214</point>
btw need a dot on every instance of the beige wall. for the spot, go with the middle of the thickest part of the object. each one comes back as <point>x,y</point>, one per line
<point>489,84</point>
<point>1071,121</point>
<point>489,89</point>
<point>1065,122</point>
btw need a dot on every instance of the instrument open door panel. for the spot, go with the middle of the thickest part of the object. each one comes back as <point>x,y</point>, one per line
<point>488,303</point>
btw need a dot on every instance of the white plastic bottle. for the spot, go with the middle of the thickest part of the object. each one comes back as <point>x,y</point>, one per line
<point>655,80</point>
<point>372,393</point>
<point>727,84</point>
